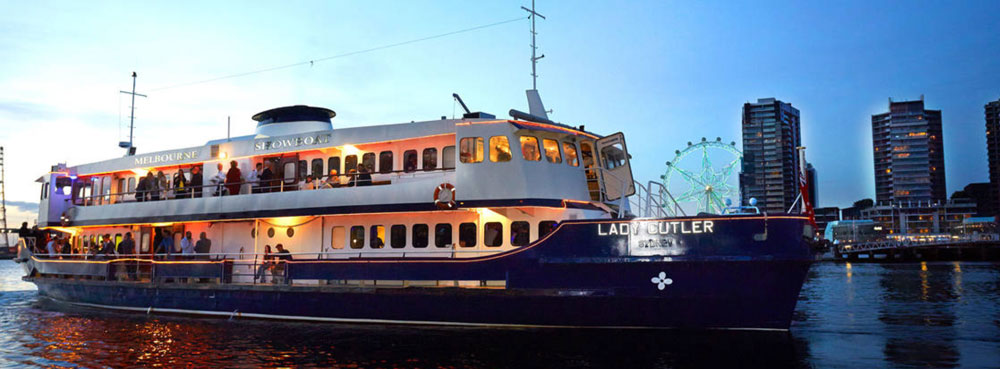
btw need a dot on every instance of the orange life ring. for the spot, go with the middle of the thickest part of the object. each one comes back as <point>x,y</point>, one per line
<point>444,196</point>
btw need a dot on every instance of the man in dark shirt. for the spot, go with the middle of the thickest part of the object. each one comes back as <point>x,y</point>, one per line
<point>196,180</point>
<point>127,248</point>
<point>203,246</point>
<point>280,257</point>
<point>234,178</point>
<point>141,188</point>
<point>266,178</point>
<point>364,177</point>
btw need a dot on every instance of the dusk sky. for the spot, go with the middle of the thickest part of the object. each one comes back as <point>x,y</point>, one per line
<point>663,72</point>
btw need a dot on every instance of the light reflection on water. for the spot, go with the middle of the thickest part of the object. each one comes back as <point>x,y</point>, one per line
<point>849,315</point>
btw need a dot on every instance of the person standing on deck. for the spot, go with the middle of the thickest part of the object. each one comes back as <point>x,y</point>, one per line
<point>180,184</point>
<point>219,181</point>
<point>254,178</point>
<point>266,178</point>
<point>127,247</point>
<point>51,247</point>
<point>203,246</point>
<point>166,245</point>
<point>196,181</point>
<point>161,180</point>
<point>187,247</point>
<point>234,178</point>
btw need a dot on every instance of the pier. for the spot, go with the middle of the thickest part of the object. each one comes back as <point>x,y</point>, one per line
<point>977,247</point>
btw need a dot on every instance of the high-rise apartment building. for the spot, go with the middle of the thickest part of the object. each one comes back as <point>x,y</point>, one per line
<point>993,149</point>
<point>770,136</point>
<point>909,154</point>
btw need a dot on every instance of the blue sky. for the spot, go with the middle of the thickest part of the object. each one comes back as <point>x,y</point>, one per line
<point>662,72</point>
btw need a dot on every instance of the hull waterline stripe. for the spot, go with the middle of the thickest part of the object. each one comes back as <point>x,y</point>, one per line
<point>230,314</point>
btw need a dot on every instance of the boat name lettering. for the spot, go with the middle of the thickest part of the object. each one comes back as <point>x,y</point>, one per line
<point>655,228</point>
<point>291,142</point>
<point>162,158</point>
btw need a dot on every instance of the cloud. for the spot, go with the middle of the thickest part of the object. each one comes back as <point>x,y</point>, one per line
<point>24,205</point>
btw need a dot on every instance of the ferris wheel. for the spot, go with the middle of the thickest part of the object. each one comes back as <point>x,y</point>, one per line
<point>703,185</point>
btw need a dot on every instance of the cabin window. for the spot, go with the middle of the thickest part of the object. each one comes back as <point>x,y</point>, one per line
<point>97,191</point>
<point>45,187</point>
<point>131,184</point>
<point>430,158</point>
<point>368,161</point>
<point>337,238</point>
<point>377,240</point>
<point>529,148</point>
<point>448,157</point>
<point>317,168</point>
<point>357,237</point>
<point>472,149</point>
<point>385,162</point>
<point>552,151</point>
<point>519,233</point>
<point>303,169</point>
<point>118,240</point>
<point>467,234</point>
<point>571,157</point>
<point>493,234</point>
<point>120,188</point>
<point>420,233</point>
<point>334,164</point>
<point>397,236</point>
<point>410,161</point>
<point>289,172</point>
<point>499,149</point>
<point>442,235</point>
<point>587,149</point>
<point>614,156</point>
<point>545,227</point>
<point>350,163</point>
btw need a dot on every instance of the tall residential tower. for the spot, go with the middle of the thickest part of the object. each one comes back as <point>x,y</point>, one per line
<point>770,136</point>
<point>993,148</point>
<point>909,155</point>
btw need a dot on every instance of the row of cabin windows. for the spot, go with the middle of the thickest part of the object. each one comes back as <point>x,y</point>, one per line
<point>386,163</point>
<point>420,233</point>
<point>473,151</point>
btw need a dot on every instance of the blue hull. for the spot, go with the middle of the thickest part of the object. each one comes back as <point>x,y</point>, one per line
<point>583,275</point>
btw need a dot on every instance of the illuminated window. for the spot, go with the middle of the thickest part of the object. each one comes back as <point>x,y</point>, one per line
<point>410,161</point>
<point>368,161</point>
<point>493,234</point>
<point>552,151</point>
<point>430,158</point>
<point>397,236</point>
<point>420,235</point>
<point>442,235</point>
<point>571,156</point>
<point>499,149</point>
<point>448,157</point>
<point>317,167</point>
<point>357,237</point>
<point>377,240</point>
<point>385,162</point>
<point>472,149</point>
<point>587,150</point>
<point>529,148</point>
<point>337,238</point>
<point>350,163</point>
<point>334,164</point>
<point>467,234</point>
<point>520,232</point>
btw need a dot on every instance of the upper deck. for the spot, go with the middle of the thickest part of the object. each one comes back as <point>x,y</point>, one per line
<point>491,163</point>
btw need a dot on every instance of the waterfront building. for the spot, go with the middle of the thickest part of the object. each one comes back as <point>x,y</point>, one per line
<point>920,217</point>
<point>770,172</point>
<point>854,212</point>
<point>825,216</point>
<point>992,112</point>
<point>852,231</point>
<point>909,154</point>
<point>982,194</point>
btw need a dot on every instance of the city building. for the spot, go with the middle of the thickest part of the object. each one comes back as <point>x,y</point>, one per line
<point>920,217</point>
<point>825,216</point>
<point>853,231</point>
<point>992,110</point>
<point>770,170</point>
<point>854,212</point>
<point>982,194</point>
<point>909,154</point>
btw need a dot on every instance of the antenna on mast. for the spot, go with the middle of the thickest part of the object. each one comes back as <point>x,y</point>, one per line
<point>535,106</point>
<point>129,148</point>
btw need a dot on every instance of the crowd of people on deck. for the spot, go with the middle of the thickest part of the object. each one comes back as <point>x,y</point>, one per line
<point>273,262</point>
<point>155,186</point>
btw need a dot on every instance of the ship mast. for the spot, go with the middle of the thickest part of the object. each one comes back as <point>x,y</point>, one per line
<point>3,200</point>
<point>129,148</point>
<point>535,106</point>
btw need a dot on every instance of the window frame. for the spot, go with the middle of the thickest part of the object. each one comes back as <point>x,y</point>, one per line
<point>383,158</point>
<point>522,140</point>
<point>477,146</point>
<point>445,157</point>
<point>463,229</point>
<point>498,240</point>
<point>514,231</point>
<point>393,239</point>
<point>558,157</point>
<point>415,238</point>
<point>359,241</point>
<point>451,235</point>
<point>406,157</point>
<point>433,159</point>
<point>494,153</point>
<point>334,239</point>
<point>576,153</point>
<point>374,232</point>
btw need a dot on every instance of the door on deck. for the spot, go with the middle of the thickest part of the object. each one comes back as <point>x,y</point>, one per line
<point>617,174</point>
<point>590,162</point>
<point>285,173</point>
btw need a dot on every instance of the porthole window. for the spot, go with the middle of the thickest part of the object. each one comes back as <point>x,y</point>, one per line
<point>270,232</point>
<point>290,232</point>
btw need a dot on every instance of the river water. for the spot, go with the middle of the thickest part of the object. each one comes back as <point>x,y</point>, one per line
<point>912,315</point>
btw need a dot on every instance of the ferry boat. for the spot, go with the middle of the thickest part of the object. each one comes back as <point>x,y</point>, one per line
<point>477,221</point>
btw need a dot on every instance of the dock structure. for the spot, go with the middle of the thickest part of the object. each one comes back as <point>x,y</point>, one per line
<point>978,247</point>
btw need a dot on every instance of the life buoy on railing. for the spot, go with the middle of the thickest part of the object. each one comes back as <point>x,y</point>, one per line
<point>444,196</point>
<point>67,216</point>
